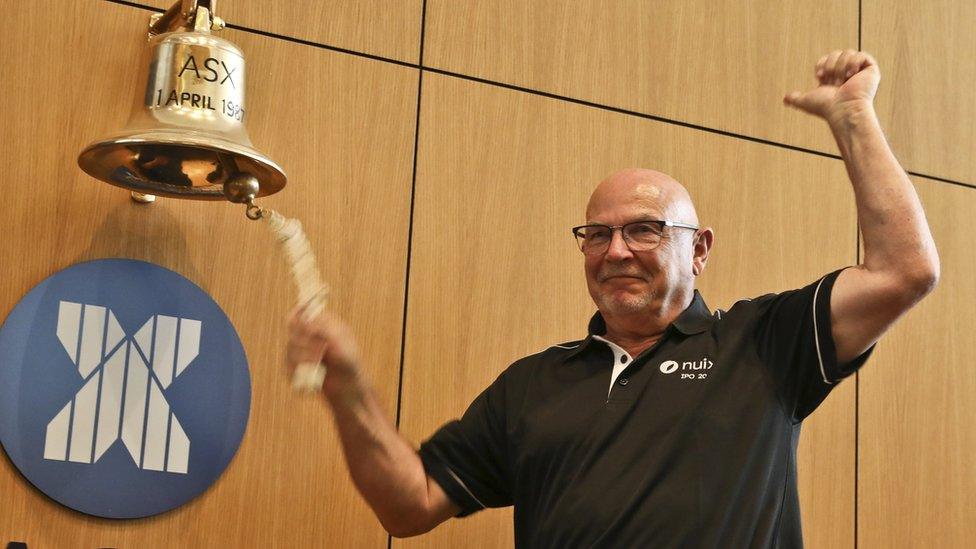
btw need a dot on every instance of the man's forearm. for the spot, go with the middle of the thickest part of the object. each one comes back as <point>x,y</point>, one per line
<point>900,262</point>
<point>897,240</point>
<point>386,470</point>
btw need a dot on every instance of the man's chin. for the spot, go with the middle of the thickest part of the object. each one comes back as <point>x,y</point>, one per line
<point>622,305</point>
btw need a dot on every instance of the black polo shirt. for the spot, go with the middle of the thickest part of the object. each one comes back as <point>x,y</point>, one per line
<point>691,444</point>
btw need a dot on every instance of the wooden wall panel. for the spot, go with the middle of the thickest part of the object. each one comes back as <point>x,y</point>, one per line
<point>388,28</point>
<point>928,71</point>
<point>722,64</point>
<point>343,128</point>
<point>495,274</point>
<point>917,483</point>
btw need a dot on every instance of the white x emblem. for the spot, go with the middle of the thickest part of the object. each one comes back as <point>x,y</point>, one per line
<point>123,392</point>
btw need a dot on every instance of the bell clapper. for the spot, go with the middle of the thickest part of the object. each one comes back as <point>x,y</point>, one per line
<point>241,188</point>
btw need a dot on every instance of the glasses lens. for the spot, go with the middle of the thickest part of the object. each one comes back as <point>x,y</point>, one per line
<point>593,239</point>
<point>642,235</point>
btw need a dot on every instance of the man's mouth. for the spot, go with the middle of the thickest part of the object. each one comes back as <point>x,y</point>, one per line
<point>631,277</point>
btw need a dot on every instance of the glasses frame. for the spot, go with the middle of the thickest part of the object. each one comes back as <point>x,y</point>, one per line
<point>662,223</point>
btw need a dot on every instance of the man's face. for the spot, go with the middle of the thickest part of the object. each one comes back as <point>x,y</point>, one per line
<point>622,281</point>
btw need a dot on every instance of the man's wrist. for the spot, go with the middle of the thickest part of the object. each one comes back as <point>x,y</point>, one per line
<point>340,386</point>
<point>852,115</point>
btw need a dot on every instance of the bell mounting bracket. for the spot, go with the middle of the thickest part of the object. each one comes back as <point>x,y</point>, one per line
<point>197,15</point>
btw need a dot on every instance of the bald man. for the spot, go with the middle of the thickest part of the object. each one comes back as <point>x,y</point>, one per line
<point>668,425</point>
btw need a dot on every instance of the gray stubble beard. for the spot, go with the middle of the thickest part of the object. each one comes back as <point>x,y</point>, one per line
<point>626,305</point>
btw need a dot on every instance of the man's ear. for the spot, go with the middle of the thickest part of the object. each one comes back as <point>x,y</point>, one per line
<point>702,244</point>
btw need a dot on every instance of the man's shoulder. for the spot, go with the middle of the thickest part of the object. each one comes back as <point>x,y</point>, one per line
<point>567,346</point>
<point>552,354</point>
<point>763,302</point>
<point>522,370</point>
<point>554,351</point>
<point>743,309</point>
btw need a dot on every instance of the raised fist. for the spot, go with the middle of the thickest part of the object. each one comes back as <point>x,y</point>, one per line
<point>847,80</point>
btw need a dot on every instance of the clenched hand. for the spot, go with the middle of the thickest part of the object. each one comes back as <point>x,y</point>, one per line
<point>847,81</point>
<point>325,339</point>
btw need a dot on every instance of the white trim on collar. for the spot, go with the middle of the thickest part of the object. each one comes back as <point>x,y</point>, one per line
<point>618,365</point>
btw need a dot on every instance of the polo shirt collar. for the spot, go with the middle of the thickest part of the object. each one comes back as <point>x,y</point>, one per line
<point>695,319</point>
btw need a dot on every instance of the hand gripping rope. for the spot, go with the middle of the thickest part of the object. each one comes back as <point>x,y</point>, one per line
<point>313,293</point>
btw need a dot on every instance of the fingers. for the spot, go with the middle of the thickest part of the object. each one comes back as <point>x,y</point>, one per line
<point>836,67</point>
<point>850,66</point>
<point>826,74</point>
<point>307,340</point>
<point>818,68</point>
<point>324,338</point>
<point>839,70</point>
<point>296,355</point>
<point>296,318</point>
<point>808,102</point>
<point>792,98</point>
<point>860,62</point>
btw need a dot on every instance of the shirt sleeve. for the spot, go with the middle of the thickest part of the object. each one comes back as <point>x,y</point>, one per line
<point>469,457</point>
<point>795,339</point>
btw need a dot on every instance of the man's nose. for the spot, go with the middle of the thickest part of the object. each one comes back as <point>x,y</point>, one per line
<point>618,249</point>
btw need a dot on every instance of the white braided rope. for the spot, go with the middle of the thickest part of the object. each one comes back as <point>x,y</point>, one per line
<point>312,291</point>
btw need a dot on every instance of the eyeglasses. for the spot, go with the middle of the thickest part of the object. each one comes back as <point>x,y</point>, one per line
<point>640,236</point>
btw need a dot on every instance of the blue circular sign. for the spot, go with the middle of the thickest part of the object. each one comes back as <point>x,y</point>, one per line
<point>124,388</point>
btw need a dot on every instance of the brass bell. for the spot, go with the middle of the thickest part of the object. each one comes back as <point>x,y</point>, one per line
<point>185,137</point>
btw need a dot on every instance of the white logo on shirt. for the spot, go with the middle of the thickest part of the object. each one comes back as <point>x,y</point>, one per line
<point>689,369</point>
<point>668,366</point>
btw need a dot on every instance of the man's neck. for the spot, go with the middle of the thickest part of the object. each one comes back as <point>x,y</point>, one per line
<point>638,331</point>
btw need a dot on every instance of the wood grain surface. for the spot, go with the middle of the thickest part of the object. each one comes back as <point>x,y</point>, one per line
<point>917,480</point>
<point>925,101</point>
<point>724,64</point>
<point>501,176</point>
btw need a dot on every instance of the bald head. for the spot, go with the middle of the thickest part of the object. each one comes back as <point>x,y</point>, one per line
<point>658,194</point>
